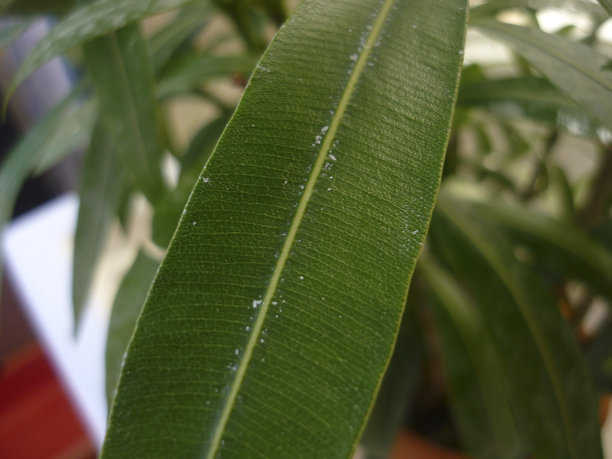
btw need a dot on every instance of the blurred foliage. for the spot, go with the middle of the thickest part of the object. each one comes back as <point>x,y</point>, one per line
<point>520,257</point>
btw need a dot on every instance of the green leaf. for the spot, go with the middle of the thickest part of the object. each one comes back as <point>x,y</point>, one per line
<point>92,20</point>
<point>397,389</point>
<point>479,401</point>
<point>12,31</point>
<point>168,213</point>
<point>128,303</point>
<point>193,71</point>
<point>35,7</point>
<point>248,22</point>
<point>101,185</point>
<point>273,315</point>
<point>565,194</point>
<point>599,357</point>
<point>492,7</point>
<point>46,137</point>
<point>543,370</point>
<point>120,68</point>
<point>607,4</point>
<point>277,9</point>
<point>572,67</point>
<point>187,22</point>
<point>533,99</point>
<point>74,134</point>
<point>562,246</point>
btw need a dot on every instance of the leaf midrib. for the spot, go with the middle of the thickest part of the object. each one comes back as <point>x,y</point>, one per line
<point>295,225</point>
<point>124,81</point>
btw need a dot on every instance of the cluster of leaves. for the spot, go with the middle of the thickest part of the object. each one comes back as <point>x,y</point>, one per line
<point>271,321</point>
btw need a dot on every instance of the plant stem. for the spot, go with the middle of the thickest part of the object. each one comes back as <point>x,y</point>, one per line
<point>531,189</point>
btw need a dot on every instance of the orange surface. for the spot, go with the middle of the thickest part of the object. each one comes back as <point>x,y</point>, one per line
<point>36,418</point>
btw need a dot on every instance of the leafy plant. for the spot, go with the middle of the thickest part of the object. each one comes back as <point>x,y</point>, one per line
<point>271,321</point>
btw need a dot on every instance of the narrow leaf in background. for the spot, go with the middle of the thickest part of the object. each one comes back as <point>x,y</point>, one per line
<point>193,71</point>
<point>562,246</point>
<point>120,68</point>
<point>48,137</point>
<point>479,401</point>
<point>101,186</point>
<point>169,211</point>
<point>398,386</point>
<point>574,68</point>
<point>73,134</point>
<point>545,375</point>
<point>533,99</point>
<point>187,22</point>
<point>12,31</point>
<point>128,303</point>
<point>607,4</point>
<point>94,19</point>
<point>272,318</point>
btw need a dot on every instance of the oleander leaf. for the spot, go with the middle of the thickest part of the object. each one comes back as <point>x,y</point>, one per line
<point>187,22</point>
<point>35,7</point>
<point>491,8</point>
<point>562,246</point>
<point>532,99</point>
<point>169,211</point>
<point>193,71</point>
<point>479,401</point>
<point>607,5</point>
<point>75,134</point>
<point>574,68</point>
<point>394,399</point>
<point>120,68</point>
<point>542,368</point>
<point>89,21</point>
<point>102,181</point>
<point>52,133</point>
<point>128,303</point>
<point>272,318</point>
<point>11,31</point>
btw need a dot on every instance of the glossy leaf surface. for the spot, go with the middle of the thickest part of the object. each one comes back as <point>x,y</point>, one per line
<point>120,68</point>
<point>92,20</point>
<point>574,68</point>
<point>273,315</point>
<point>547,382</point>
<point>478,397</point>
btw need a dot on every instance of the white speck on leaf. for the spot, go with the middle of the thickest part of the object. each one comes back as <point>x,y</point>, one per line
<point>256,303</point>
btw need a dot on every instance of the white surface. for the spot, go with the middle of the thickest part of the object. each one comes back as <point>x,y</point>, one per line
<point>38,256</point>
